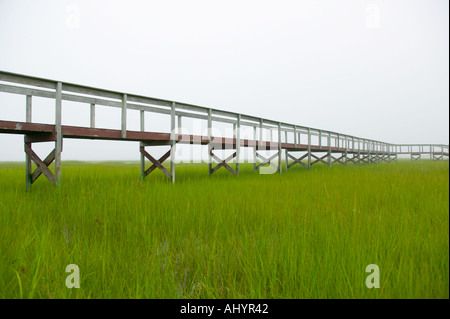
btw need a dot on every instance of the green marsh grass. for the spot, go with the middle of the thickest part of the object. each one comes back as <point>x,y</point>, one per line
<point>304,234</point>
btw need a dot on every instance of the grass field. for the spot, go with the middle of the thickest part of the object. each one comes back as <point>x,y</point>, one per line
<point>304,234</point>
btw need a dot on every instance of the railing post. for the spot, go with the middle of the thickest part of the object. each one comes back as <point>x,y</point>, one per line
<point>142,126</point>
<point>346,149</point>
<point>388,146</point>
<point>353,150</point>
<point>329,148</point>
<point>254,148</point>
<point>28,173</point>
<point>286,153</point>
<point>173,142</point>
<point>338,142</point>
<point>279,147</point>
<point>209,141</point>
<point>320,139</point>
<point>92,113</point>
<point>309,148</point>
<point>260,130</point>
<point>124,116</point>
<point>58,143</point>
<point>295,136</point>
<point>238,142</point>
<point>358,151</point>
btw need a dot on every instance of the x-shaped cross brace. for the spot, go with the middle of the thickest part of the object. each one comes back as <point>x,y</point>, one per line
<point>365,159</point>
<point>156,163</point>
<point>319,159</point>
<point>341,160</point>
<point>267,160</point>
<point>297,160</point>
<point>42,166</point>
<point>355,159</point>
<point>222,163</point>
<point>374,159</point>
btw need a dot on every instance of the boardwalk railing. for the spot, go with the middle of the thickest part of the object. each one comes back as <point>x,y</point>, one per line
<point>314,145</point>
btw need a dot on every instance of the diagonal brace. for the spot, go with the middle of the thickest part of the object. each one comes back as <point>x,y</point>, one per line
<point>222,163</point>
<point>297,160</point>
<point>267,160</point>
<point>42,166</point>
<point>156,163</point>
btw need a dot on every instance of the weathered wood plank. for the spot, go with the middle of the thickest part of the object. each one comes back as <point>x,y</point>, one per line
<point>43,168</point>
<point>47,162</point>
<point>156,163</point>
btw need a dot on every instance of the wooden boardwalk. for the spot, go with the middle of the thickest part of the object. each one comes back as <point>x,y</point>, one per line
<point>327,147</point>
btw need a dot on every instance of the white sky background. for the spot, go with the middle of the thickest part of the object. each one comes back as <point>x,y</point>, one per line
<point>374,69</point>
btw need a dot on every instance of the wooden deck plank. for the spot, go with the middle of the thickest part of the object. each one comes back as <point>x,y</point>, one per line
<point>78,132</point>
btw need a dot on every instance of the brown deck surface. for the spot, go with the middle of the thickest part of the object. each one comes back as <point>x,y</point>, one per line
<point>155,138</point>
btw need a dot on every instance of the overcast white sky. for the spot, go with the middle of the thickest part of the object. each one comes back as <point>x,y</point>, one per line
<point>375,69</point>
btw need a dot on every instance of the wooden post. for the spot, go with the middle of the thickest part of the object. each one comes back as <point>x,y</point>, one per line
<point>320,138</point>
<point>209,141</point>
<point>142,117</point>
<point>380,150</point>
<point>338,143</point>
<point>295,136</point>
<point>309,148</point>
<point>279,147</point>
<point>260,134</point>
<point>58,142</point>
<point>254,149</point>
<point>346,150</point>
<point>260,130</point>
<point>28,172</point>
<point>238,142</point>
<point>124,116</point>
<point>329,148</point>
<point>172,142</point>
<point>92,122</point>
<point>389,149</point>
<point>286,159</point>
<point>353,150</point>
